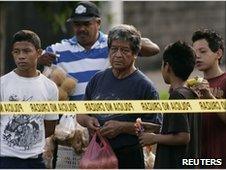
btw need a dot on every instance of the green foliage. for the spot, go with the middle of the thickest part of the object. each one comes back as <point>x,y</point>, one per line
<point>164,95</point>
<point>57,13</point>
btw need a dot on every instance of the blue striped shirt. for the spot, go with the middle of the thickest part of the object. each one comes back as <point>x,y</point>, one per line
<point>80,63</point>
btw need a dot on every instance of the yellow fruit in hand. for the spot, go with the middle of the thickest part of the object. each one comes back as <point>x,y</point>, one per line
<point>194,81</point>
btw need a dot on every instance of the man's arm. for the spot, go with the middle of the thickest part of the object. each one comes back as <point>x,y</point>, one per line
<point>46,59</point>
<point>50,127</point>
<point>113,128</point>
<point>148,48</point>
<point>91,123</point>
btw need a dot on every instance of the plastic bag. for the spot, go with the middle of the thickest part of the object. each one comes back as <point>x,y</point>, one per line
<point>66,128</point>
<point>99,154</point>
<point>80,140</point>
<point>48,152</point>
<point>149,157</point>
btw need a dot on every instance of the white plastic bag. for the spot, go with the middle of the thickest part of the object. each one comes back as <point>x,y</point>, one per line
<point>66,128</point>
<point>48,152</point>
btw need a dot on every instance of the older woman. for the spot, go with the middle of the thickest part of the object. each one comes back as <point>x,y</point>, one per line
<point>123,81</point>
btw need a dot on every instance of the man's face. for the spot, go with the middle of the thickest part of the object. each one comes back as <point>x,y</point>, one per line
<point>25,55</point>
<point>205,57</point>
<point>121,55</point>
<point>87,31</point>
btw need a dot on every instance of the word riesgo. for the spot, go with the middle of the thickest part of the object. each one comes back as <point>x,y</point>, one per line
<point>206,162</point>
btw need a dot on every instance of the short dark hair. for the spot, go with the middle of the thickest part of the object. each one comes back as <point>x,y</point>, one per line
<point>126,33</point>
<point>27,35</point>
<point>215,41</point>
<point>181,57</point>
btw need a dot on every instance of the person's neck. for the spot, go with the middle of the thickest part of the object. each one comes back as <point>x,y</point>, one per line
<point>88,46</point>
<point>213,72</point>
<point>28,73</point>
<point>121,74</point>
<point>176,82</point>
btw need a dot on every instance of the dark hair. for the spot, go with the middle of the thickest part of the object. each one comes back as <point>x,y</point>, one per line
<point>126,33</point>
<point>215,41</point>
<point>181,58</point>
<point>27,35</point>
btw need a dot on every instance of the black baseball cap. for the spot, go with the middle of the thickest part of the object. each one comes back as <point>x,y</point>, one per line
<point>84,11</point>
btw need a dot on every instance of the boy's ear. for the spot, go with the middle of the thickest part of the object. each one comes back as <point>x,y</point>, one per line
<point>39,52</point>
<point>219,53</point>
<point>168,67</point>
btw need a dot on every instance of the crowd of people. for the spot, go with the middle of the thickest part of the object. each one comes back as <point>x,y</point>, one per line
<point>104,66</point>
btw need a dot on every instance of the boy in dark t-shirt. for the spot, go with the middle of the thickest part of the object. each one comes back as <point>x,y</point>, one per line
<point>172,143</point>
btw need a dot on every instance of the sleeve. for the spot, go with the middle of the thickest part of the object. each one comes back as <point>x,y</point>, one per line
<point>152,94</point>
<point>178,122</point>
<point>176,95</point>
<point>224,87</point>
<point>54,96</point>
<point>50,49</point>
<point>87,95</point>
<point>89,89</point>
<point>1,90</point>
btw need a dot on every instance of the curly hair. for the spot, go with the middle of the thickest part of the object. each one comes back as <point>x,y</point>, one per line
<point>215,41</point>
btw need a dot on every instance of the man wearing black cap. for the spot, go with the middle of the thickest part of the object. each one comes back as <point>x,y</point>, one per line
<point>85,53</point>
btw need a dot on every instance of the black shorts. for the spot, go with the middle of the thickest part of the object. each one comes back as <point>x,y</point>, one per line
<point>18,163</point>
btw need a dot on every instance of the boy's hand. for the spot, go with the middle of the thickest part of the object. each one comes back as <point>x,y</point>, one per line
<point>202,90</point>
<point>147,139</point>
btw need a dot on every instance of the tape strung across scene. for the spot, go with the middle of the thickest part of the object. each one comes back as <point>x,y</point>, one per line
<point>113,106</point>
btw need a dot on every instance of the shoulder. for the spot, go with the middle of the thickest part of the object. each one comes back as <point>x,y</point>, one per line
<point>65,44</point>
<point>103,37</point>
<point>102,42</point>
<point>48,83</point>
<point>142,78</point>
<point>6,77</point>
<point>224,77</point>
<point>103,73</point>
<point>182,93</point>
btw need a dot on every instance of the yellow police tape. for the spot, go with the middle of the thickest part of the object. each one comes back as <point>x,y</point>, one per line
<point>113,106</point>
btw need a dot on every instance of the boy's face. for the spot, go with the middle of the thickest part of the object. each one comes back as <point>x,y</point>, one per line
<point>25,55</point>
<point>205,57</point>
<point>164,70</point>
